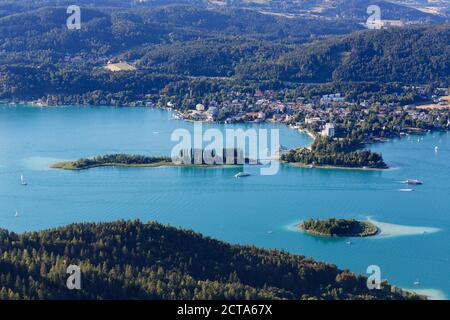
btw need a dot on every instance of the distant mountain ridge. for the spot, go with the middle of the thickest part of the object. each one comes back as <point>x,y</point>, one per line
<point>173,44</point>
<point>348,9</point>
<point>355,9</point>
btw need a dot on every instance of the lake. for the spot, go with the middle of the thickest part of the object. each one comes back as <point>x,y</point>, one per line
<point>258,210</point>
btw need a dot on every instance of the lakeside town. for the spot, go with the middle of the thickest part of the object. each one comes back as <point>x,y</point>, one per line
<point>340,123</point>
<point>328,115</point>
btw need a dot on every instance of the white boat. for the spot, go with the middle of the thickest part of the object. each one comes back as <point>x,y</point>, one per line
<point>349,243</point>
<point>16,214</point>
<point>22,180</point>
<point>269,232</point>
<point>416,283</point>
<point>413,182</point>
<point>436,149</point>
<point>242,174</point>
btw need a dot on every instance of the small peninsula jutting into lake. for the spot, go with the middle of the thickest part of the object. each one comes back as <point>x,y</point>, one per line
<point>339,227</point>
<point>334,154</point>
<point>141,161</point>
<point>120,160</point>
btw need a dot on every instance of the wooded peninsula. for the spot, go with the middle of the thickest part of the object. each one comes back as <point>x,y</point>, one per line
<point>122,160</point>
<point>192,158</point>
<point>135,260</point>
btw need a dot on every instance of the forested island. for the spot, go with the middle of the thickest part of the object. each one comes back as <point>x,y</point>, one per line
<point>190,157</point>
<point>335,153</point>
<point>134,260</point>
<point>339,227</point>
<point>120,160</point>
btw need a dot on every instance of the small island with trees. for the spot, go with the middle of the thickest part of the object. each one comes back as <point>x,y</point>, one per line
<point>194,157</point>
<point>122,160</point>
<point>344,153</point>
<point>339,227</point>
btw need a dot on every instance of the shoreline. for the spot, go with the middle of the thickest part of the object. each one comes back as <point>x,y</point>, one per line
<point>366,223</point>
<point>385,230</point>
<point>429,293</point>
<point>316,233</point>
<point>307,132</point>
<point>389,230</point>
<point>169,109</point>
<point>306,166</point>
<point>66,165</point>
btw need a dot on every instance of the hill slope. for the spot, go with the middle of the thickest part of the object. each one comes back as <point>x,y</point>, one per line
<point>408,55</point>
<point>132,260</point>
<point>413,55</point>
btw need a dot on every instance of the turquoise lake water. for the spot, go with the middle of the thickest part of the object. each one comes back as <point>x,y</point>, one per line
<point>255,210</point>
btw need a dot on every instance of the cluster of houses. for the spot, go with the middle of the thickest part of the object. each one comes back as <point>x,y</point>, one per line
<point>332,98</point>
<point>241,109</point>
<point>323,115</point>
<point>201,113</point>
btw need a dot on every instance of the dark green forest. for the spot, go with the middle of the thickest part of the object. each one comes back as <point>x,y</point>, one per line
<point>133,260</point>
<point>196,50</point>
<point>341,153</point>
<point>339,227</point>
<point>113,159</point>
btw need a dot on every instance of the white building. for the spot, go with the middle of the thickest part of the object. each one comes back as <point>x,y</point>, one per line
<point>328,130</point>
<point>312,120</point>
<point>200,107</point>
<point>262,115</point>
<point>329,98</point>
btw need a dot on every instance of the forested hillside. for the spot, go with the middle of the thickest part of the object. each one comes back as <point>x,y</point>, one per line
<point>408,55</point>
<point>132,260</point>
<point>108,30</point>
<point>198,49</point>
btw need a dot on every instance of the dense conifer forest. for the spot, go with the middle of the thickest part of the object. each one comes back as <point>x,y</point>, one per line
<point>133,260</point>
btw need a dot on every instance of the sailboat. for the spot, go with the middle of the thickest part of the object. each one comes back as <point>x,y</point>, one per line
<point>22,180</point>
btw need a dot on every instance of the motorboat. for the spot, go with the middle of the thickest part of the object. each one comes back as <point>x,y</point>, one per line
<point>413,182</point>
<point>242,175</point>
